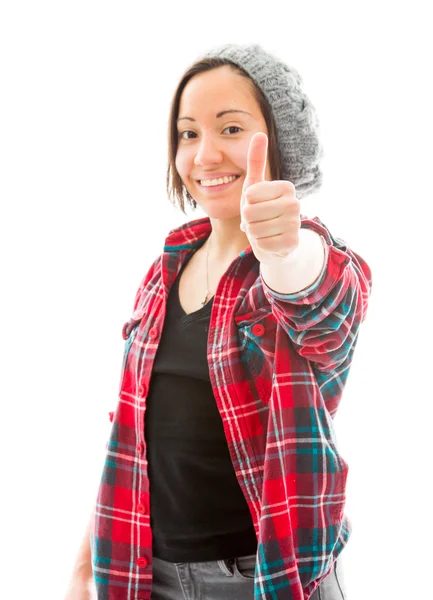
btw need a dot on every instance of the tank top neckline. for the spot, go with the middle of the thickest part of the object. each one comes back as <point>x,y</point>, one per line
<point>196,314</point>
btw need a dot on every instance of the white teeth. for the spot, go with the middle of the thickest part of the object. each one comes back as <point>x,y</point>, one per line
<point>211,182</point>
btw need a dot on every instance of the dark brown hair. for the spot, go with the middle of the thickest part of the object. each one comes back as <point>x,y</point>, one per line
<point>176,190</point>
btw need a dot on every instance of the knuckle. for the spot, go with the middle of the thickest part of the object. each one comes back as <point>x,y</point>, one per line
<point>290,187</point>
<point>247,213</point>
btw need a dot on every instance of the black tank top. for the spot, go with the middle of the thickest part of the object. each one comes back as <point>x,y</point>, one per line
<point>197,509</point>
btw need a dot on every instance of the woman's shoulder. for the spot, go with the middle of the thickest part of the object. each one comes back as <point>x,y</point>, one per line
<point>148,280</point>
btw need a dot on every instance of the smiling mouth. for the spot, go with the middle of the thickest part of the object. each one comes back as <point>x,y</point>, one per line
<point>218,186</point>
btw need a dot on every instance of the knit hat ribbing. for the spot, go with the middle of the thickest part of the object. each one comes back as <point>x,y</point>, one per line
<point>296,120</point>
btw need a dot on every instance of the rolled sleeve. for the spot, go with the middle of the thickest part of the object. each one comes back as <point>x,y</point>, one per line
<point>322,320</point>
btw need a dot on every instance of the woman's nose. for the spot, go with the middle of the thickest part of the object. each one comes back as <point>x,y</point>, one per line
<point>208,152</point>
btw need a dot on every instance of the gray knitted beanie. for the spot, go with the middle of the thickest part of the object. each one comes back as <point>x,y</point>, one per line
<point>295,117</point>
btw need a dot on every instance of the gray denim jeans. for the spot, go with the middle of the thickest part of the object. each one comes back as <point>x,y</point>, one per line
<point>229,579</point>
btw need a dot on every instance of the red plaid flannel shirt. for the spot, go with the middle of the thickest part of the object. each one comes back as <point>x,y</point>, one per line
<point>278,365</point>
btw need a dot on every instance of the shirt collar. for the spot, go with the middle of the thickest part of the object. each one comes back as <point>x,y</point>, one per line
<point>190,235</point>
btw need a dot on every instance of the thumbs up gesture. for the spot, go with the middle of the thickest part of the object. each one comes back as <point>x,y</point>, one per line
<point>270,211</point>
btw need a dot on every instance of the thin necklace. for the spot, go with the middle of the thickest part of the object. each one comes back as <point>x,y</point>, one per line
<point>207,276</point>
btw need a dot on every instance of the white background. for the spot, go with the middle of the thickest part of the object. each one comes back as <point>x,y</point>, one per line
<point>85,95</point>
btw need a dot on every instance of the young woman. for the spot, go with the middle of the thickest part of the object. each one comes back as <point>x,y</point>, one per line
<point>222,478</point>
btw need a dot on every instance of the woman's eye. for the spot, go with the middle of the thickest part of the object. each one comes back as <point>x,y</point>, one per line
<point>181,134</point>
<point>233,127</point>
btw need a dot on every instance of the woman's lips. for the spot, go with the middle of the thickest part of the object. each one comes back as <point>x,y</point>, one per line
<point>216,188</point>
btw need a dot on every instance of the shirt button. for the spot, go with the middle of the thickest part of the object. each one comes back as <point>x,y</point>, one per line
<point>258,329</point>
<point>141,509</point>
<point>140,448</point>
<point>142,390</point>
<point>153,333</point>
<point>142,562</point>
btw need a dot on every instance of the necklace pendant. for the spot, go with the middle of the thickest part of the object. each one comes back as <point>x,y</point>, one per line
<point>205,300</point>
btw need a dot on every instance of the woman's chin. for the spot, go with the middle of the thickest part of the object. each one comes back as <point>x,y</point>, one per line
<point>220,205</point>
<point>220,211</point>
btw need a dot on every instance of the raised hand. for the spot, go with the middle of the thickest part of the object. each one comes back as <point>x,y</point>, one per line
<point>270,211</point>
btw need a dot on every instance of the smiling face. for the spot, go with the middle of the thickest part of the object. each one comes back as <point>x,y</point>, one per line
<point>213,142</point>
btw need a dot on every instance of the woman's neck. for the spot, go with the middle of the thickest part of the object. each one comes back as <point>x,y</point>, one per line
<point>226,242</point>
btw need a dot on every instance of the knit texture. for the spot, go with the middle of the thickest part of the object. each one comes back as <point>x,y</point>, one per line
<point>296,120</point>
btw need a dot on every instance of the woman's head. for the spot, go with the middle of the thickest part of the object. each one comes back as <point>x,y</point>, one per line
<point>250,80</point>
<point>208,145</point>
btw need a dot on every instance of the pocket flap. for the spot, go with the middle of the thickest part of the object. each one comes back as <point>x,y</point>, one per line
<point>128,327</point>
<point>253,316</point>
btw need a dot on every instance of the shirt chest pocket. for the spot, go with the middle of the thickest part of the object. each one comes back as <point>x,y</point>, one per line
<point>129,333</point>
<point>257,335</point>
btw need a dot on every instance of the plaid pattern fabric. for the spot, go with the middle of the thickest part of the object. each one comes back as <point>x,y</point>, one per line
<point>278,366</point>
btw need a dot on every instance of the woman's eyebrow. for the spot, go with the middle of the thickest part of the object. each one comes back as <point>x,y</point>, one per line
<point>220,114</point>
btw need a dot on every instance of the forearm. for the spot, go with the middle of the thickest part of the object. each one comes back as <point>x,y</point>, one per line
<point>300,269</point>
